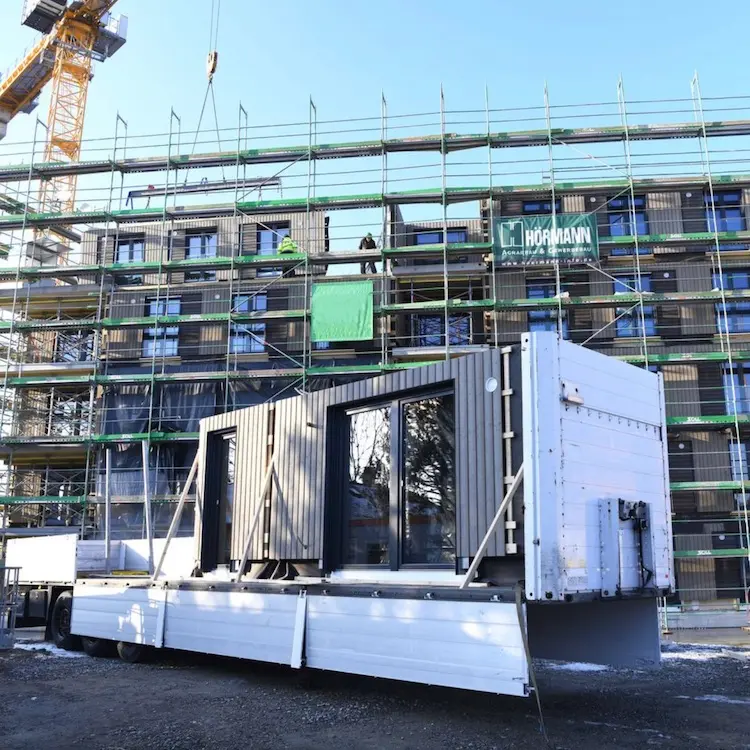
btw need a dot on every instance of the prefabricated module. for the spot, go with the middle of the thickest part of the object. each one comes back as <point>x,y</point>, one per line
<point>442,524</point>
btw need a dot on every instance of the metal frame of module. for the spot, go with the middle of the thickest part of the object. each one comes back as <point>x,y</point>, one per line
<point>592,538</point>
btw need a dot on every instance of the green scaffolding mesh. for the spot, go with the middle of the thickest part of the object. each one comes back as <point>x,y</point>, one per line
<point>342,311</point>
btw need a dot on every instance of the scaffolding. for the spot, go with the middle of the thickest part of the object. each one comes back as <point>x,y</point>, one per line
<point>153,310</point>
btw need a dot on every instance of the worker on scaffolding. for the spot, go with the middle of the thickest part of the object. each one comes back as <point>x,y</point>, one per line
<point>367,243</point>
<point>287,246</point>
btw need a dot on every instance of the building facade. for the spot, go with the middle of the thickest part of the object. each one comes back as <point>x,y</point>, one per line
<point>147,322</point>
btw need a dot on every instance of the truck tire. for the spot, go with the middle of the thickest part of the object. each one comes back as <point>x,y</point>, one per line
<point>62,612</point>
<point>98,647</point>
<point>132,653</point>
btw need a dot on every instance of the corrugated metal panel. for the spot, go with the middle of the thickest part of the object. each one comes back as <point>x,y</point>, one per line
<point>664,212</point>
<point>573,204</point>
<point>681,391</point>
<point>213,337</point>
<point>697,320</point>
<point>602,317</point>
<point>511,323</point>
<point>125,343</point>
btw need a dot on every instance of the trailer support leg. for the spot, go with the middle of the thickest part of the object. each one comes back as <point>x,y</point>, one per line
<point>471,572</point>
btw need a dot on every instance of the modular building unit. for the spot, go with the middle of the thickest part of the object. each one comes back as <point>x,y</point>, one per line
<point>440,525</point>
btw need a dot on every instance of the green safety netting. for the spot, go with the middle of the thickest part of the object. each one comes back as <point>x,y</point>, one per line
<point>342,311</point>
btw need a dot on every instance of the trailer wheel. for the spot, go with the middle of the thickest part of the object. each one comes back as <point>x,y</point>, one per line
<point>98,647</point>
<point>132,653</point>
<point>60,623</point>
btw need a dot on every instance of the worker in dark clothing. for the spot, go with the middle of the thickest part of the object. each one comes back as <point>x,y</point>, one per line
<point>367,243</point>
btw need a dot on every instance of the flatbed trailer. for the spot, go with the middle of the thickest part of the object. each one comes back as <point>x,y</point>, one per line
<point>441,525</point>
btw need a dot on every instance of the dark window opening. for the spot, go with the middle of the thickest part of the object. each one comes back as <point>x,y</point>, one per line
<point>400,502</point>
<point>218,512</point>
<point>737,387</point>
<point>198,246</point>
<point>541,207</point>
<point>429,330</point>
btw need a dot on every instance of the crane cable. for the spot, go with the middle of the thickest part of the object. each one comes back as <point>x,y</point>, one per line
<point>211,64</point>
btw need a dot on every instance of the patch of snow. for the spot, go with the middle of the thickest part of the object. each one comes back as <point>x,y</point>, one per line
<point>717,699</point>
<point>576,666</point>
<point>49,649</point>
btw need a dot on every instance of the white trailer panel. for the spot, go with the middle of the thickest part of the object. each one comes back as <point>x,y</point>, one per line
<point>462,644</point>
<point>243,624</point>
<point>593,437</point>
<point>119,612</point>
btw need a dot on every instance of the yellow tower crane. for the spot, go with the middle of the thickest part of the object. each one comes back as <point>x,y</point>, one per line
<point>75,34</point>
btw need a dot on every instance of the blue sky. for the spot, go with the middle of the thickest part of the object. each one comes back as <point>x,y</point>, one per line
<point>274,55</point>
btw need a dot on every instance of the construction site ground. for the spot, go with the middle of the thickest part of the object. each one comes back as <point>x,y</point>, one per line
<point>700,698</point>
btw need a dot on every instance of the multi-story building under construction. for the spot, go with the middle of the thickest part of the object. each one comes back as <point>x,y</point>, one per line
<point>164,298</point>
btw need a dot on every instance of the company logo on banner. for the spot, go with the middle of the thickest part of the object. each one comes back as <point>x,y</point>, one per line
<point>529,240</point>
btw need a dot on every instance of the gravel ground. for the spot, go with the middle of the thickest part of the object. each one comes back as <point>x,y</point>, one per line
<point>699,699</point>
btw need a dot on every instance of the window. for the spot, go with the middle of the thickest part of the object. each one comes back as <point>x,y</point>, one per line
<point>739,376</point>
<point>248,338</point>
<point>435,237</point>
<point>541,207</point>
<point>129,250</point>
<point>544,320</point>
<point>161,341</point>
<point>737,313</point>
<point>429,330</point>
<point>727,207</point>
<point>627,217</point>
<point>400,504</point>
<point>268,238</point>
<point>200,245</point>
<point>630,322</point>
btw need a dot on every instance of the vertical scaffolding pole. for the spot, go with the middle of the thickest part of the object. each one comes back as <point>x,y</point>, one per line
<point>491,229</point>
<point>444,185</point>
<point>311,171</point>
<point>723,329</point>
<point>107,509</point>
<point>384,234</point>
<point>631,212</point>
<point>238,232</point>
<point>556,261</point>
<point>147,505</point>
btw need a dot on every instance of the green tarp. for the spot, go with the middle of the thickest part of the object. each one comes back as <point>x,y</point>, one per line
<point>342,311</point>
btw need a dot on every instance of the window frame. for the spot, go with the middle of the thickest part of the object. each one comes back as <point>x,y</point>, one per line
<point>735,311</point>
<point>274,227</point>
<point>130,242</point>
<point>724,202</point>
<point>339,513</point>
<point>623,215</point>
<point>546,319</point>
<point>201,274</point>
<point>160,337</point>
<point>236,335</point>
<point>542,207</point>
<point>633,319</point>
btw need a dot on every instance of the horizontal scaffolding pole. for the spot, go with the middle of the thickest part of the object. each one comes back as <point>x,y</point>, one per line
<point>447,142</point>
